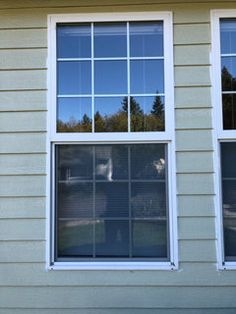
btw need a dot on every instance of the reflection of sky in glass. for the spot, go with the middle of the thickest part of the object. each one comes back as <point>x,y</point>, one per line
<point>74,107</point>
<point>74,78</point>
<point>110,77</point>
<point>229,74</point>
<point>108,105</point>
<point>146,76</point>
<point>74,41</point>
<point>112,117</point>
<point>228,35</point>
<point>74,115</point>
<point>146,39</point>
<point>110,40</point>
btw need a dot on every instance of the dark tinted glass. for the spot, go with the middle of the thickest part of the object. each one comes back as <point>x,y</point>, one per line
<point>74,163</point>
<point>74,115</point>
<point>228,73</point>
<point>229,111</point>
<point>112,238</point>
<point>74,41</point>
<point>111,115</point>
<point>110,77</point>
<point>74,78</point>
<point>112,199</point>
<point>148,161</point>
<point>110,40</point>
<point>228,35</point>
<point>146,39</point>
<point>75,200</point>
<point>228,166</point>
<point>146,76</point>
<point>147,114</point>
<point>75,238</point>
<point>111,162</point>
<point>149,239</point>
<point>148,199</point>
<point>228,158</point>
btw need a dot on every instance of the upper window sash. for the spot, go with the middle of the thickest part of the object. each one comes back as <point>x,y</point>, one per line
<point>166,18</point>
<point>219,58</point>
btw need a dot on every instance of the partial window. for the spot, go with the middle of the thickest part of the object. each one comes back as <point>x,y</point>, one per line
<point>112,141</point>
<point>224,46</point>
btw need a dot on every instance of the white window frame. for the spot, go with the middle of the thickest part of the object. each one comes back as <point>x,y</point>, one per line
<point>167,136</point>
<point>220,135</point>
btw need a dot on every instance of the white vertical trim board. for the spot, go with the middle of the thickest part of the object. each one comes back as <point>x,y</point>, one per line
<point>219,135</point>
<point>168,136</point>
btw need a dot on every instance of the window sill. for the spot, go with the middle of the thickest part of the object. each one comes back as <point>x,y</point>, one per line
<point>228,266</point>
<point>112,266</point>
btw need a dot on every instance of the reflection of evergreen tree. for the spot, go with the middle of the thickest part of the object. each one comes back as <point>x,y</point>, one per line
<point>158,107</point>
<point>99,123</point>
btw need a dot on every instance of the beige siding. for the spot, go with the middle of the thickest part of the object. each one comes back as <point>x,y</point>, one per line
<point>25,286</point>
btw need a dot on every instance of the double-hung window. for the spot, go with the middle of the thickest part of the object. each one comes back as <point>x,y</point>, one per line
<point>111,141</point>
<point>224,62</point>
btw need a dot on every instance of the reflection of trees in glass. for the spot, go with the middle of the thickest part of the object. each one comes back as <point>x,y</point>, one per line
<point>73,125</point>
<point>118,122</point>
<point>228,81</point>
<point>229,114</point>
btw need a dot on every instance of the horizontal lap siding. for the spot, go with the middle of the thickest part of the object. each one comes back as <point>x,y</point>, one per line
<point>25,286</point>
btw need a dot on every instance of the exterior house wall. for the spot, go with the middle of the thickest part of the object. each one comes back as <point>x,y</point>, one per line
<point>25,286</point>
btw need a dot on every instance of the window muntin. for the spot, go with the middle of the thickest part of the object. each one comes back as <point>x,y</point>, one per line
<point>228,72</point>
<point>112,201</point>
<point>111,60</point>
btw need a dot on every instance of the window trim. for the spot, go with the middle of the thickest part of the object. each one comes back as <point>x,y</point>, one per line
<point>168,136</point>
<point>219,135</point>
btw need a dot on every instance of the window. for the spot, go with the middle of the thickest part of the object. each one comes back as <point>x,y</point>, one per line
<point>224,49</point>
<point>112,142</point>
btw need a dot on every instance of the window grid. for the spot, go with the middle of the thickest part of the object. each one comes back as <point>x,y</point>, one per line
<point>128,60</point>
<point>131,218</point>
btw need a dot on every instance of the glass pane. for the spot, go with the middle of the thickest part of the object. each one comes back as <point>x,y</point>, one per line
<point>111,162</point>
<point>148,161</point>
<point>229,211</point>
<point>112,199</point>
<point>74,162</point>
<point>112,238</point>
<point>110,77</point>
<point>74,115</point>
<point>74,41</point>
<point>228,35</point>
<point>74,78</point>
<point>110,40</point>
<point>229,111</point>
<point>147,76</point>
<point>147,114</point>
<point>75,238</point>
<point>75,200</point>
<point>230,237</point>
<point>149,239</point>
<point>146,39</point>
<point>148,199</point>
<point>228,73</point>
<point>111,114</point>
<point>228,157</point>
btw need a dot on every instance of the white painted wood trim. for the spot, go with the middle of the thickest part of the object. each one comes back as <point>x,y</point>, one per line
<point>93,138</point>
